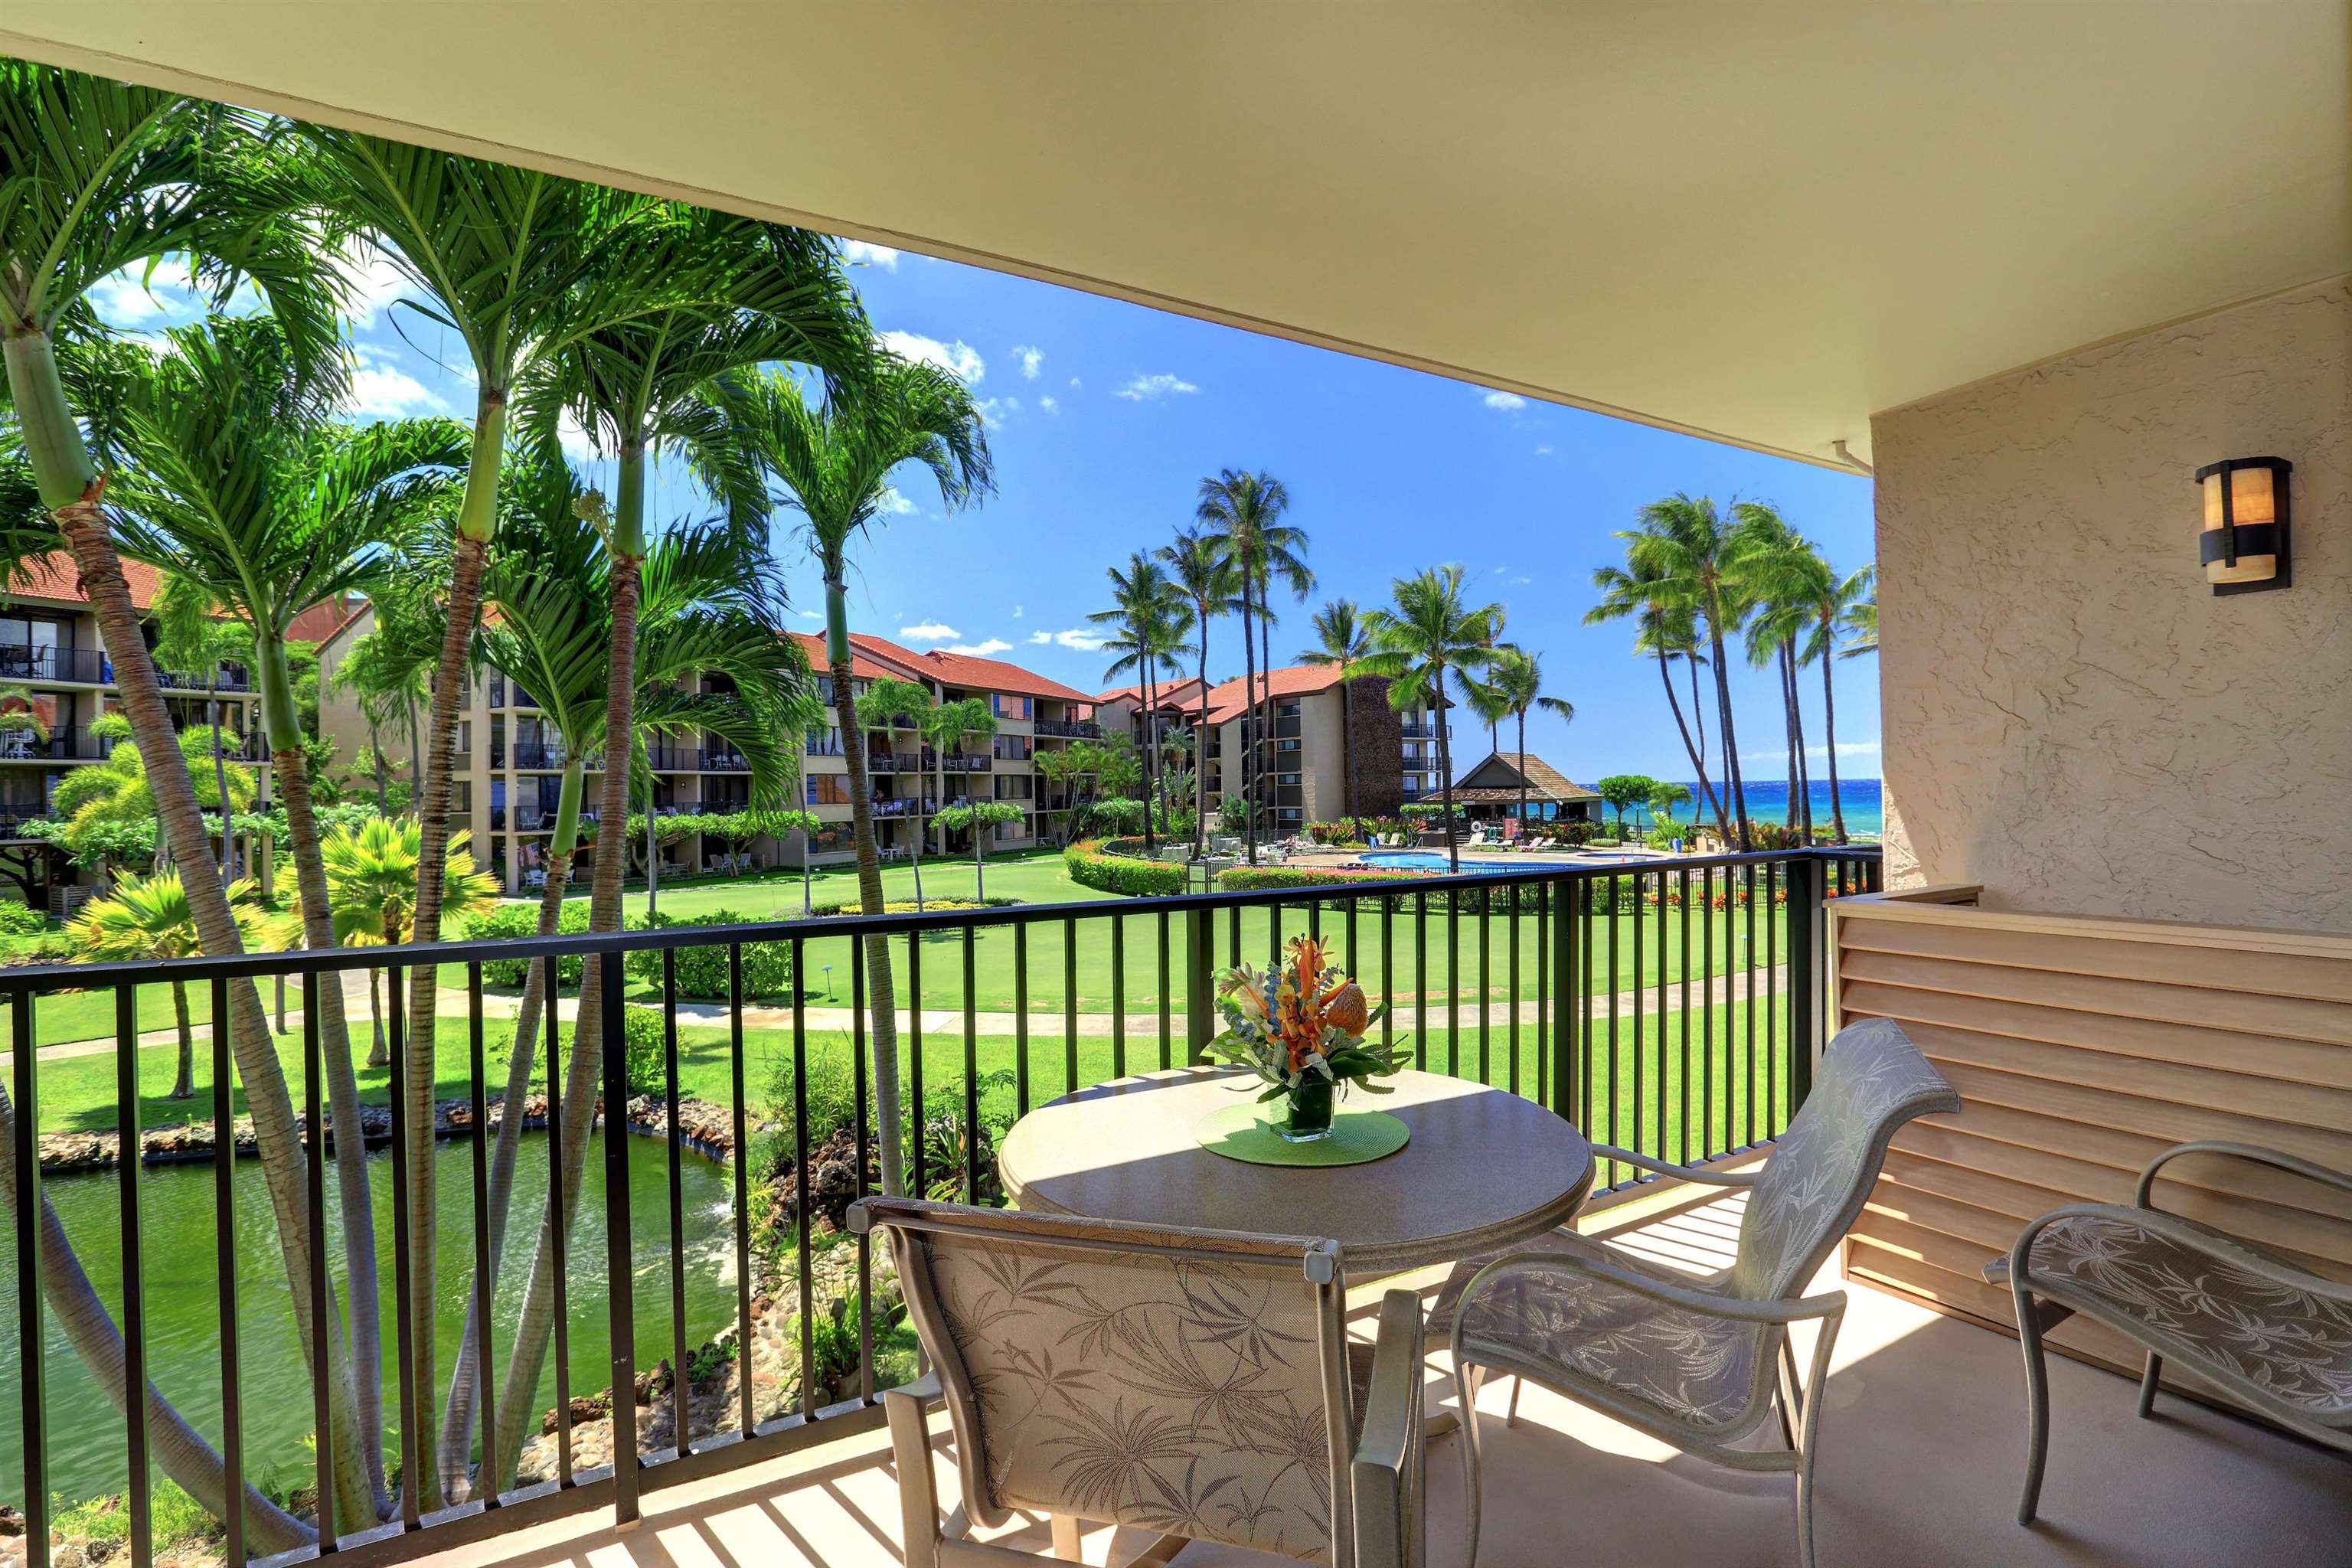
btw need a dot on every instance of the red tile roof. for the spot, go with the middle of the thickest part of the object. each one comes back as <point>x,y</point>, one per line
<point>1184,694</point>
<point>1225,701</point>
<point>863,668</point>
<point>964,669</point>
<point>53,576</point>
<point>321,621</point>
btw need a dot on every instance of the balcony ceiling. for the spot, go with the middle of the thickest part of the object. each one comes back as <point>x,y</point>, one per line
<point>1758,222</point>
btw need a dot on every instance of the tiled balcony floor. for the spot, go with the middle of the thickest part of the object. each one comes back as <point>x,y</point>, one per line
<point>1921,1449</point>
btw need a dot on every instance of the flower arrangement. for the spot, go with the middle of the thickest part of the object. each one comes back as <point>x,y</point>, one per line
<point>1302,1033</point>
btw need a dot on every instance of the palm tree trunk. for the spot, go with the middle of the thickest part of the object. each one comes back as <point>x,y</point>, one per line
<point>415,754</point>
<point>379,1055</point>
<point>979,868</point>
<point>1802,803</point>
<point>1150,747</point>
<point>517,1405</point>
<point>881,994</point>
<point>1348,759</point>
<point>268,1099</point>
<point>292,766</point>
<point>424,980</point>
<point>184,1086</point>
<point>1730,742</point>
<point>1695,750</point>
<point>652,854</point>
<point>220,778</point>
<point>1201,746</point>
<point>1248,778</point>
<point>75,1308</point>
<point>375,745</point>
<point>1265,674</point>
<point>458,1409</point>
<point>1445,777</point>
<point>1829,735</point>
<point>1523,772</point>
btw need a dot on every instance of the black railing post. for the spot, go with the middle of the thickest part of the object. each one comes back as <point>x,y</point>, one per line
<point>619,1271</point>
<point>1805,918</point>
<point>1200,980</point>
<point>31,1364</point>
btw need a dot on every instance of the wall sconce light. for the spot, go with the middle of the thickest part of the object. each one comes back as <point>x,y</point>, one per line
<point>2243,543</point>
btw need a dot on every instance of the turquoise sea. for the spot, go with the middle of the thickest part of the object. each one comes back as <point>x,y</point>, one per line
<point>1768,801</point>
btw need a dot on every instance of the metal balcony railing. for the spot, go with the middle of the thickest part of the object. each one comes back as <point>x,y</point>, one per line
<point>1668,1006</point>
<point>1070,729</point>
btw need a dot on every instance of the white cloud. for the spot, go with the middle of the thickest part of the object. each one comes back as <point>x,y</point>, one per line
<point>374,282</point>
<point>1049,405</point>
<point>1847,750</point>
<point>1030,358</point>
<point>1000,410</point>
<point>895,503</point>
<point>1520,581</point>
<point>958,359</point>
<point>1543,452</point>
<point>129,299</point>
<point>1041,639</point>
<point>859,251</point>
<point>981,649</point>
<point>389,392</point>
<point>1086,639</point>
<point>1151,388</point>
<point>809,615</point>
<point>930,631</point>
<point>1074,383</point>
<point>1505,401</point>
<point>1019,611</point>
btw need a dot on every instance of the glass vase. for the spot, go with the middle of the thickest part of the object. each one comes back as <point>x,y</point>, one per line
<point>1310,1111</point>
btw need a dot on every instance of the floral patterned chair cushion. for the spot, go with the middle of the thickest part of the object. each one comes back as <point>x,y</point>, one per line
<point>1699,1369</point>
<point>1158,1391</point>
<point>2213,1304</point>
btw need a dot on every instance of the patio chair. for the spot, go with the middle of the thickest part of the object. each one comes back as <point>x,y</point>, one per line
<point>2276,1338</point>
<point>1196,1384</point>
<point>1702,1363</point>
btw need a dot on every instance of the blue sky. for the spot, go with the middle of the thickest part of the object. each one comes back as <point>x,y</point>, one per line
<point>1104,417</point>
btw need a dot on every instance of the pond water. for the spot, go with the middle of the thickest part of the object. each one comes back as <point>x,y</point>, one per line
<point>86,1455</point>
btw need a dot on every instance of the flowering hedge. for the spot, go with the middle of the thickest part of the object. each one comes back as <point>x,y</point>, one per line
<point>1251,879</point>
<point>1091,867</point>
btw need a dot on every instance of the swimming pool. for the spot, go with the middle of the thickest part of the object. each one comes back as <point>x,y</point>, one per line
<point>1435,860</point>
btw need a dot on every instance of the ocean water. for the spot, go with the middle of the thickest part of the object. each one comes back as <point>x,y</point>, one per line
<point>1768,801</point>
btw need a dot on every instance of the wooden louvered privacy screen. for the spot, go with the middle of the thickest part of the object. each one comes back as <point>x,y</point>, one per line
<point>2081,1047</point>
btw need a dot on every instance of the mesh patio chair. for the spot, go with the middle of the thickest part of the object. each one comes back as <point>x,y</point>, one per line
<point>2273,1336</point>
<point>1196,1384</point>
<point>1702,1362</point>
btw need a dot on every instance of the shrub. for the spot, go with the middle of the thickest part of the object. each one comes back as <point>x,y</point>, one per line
<point>1113,815</point>
<point>702,970</point>
<point>504,921</point>
<point>22,919</point>
<point>1340,833</point>
<point>1090,865</point>
<point>1250,878</point>
<point>1232,814</point>
<point>641,1051</point>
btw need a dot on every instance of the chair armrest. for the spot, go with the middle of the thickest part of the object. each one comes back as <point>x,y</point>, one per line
<point>1732,1309</point>
<point>1684,1173</point>
<point>1386,1472</point>
<point>2277,1158</point>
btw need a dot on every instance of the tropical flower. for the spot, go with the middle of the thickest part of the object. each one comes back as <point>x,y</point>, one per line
<point>1313,1025</point>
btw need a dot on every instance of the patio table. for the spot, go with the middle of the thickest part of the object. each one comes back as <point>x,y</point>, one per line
<point>1483,1169</point>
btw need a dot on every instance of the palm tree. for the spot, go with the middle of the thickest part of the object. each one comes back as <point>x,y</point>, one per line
<point>1665,632</point>
<point>1834,608</point>
<point>980,816</point>
<point>1683,553</point>
<point>1429,634</point>
<point>149,920</point>
<point>1343,641</point>
<point>1152,617</point>
<point>192,640</point>
<point>833,461</point>
<point>1859,620</point>
<point>1243,512</point>
<point>884,704</point>
<point>238,481</point>
<point>1783,577</point>
<point>1198,566</point>
<point>104,175</point>
<point>1513,685</point>
<point>946,727</point>
<point>371,882</point>
<point>704,609</point>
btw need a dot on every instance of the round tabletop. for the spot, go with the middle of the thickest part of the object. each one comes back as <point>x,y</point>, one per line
<point>1483,1169</point>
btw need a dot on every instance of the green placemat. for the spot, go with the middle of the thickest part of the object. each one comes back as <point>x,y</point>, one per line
<point>1244,1131</point>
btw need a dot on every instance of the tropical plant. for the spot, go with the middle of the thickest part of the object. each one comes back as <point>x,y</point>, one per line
<point>1665,797</point>
<point>978,816</point>
<point>1784,579</point>
<point>946,727</point>
<point>1244,512</point>
<point>1429,635</point>
<point>886,703</point>
<point>1665,631</point>
<point>704,609</point>
<point>370,875</point>
<point>99,176</point>
<point>148,920</point>
<point>1198,566</point>
<point>1149,618</point>
<point>193,639</point>
<point>20,714</point>
<point>1514,684</point>
<point>1859,620</point>
<point>1683,552</point>
<point>1343,641</point>
<point>832,462</point>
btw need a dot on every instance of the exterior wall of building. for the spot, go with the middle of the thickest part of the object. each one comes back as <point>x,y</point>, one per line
<point>2072,718</point>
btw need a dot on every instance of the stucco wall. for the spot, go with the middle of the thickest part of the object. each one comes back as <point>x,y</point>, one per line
<point>2072,718</point>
